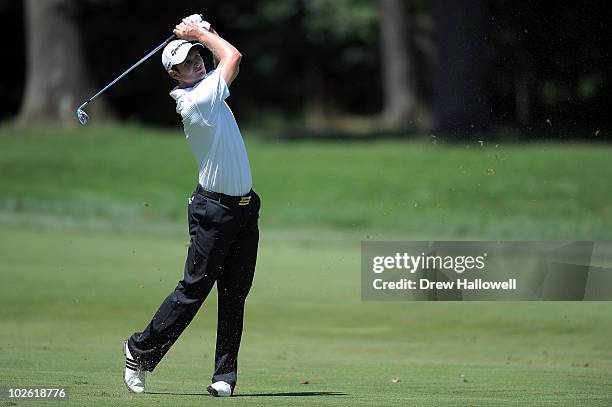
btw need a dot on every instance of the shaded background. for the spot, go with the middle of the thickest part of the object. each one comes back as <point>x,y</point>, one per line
<point>539,69</point>
<point>92,219</point>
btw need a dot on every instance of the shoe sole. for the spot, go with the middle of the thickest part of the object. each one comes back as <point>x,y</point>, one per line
<point>212,391</point>
<point>215,393</point>
<point>125,356</point>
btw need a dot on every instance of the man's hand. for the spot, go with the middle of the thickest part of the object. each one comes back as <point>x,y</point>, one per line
<point>228,56</point>
<point>188,31</point>
<point>197,20</point>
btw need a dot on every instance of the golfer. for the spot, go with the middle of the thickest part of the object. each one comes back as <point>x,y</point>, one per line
<point>223,212</point>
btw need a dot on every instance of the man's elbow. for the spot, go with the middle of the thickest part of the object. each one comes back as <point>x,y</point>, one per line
<point>235,63</point>
<point>232,58</point>
<point>236,58</point>
<point>231,66</point>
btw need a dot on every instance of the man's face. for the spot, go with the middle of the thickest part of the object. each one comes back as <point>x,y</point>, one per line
<point>191,70</point>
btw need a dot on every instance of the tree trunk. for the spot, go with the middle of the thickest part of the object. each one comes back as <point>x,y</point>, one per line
<point>460,102</point>
<point>315,93</point>
<point>397,66</point>
<point>57,80</point>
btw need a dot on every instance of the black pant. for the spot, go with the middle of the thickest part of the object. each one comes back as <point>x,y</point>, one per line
<point>224,239</point>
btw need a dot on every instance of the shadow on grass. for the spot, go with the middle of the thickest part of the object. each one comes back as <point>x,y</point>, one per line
<point>294,394</point>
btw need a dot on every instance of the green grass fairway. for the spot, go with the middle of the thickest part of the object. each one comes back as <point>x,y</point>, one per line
<point>93,234</point>
<point>70,297</point>
<point>412,189</point>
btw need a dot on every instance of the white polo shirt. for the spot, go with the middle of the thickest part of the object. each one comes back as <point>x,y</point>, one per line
<point>214,136</point>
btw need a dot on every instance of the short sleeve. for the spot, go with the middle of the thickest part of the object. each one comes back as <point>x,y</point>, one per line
<point>209,95</point>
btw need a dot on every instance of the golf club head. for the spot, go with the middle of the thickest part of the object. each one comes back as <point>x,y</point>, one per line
<point>82,116</point>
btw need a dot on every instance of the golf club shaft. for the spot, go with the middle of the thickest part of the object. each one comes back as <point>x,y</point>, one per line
<point>160,46</point>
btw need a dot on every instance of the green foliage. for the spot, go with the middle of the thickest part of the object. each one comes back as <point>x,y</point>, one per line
<point>341,20</point>
<point>326,20</point>
<point>275,10</point>
<point>545,60</point>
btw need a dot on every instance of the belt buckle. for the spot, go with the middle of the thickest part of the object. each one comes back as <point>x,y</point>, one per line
<point>245,200</point>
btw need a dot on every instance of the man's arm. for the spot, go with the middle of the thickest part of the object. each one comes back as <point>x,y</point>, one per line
<point>224,52</point>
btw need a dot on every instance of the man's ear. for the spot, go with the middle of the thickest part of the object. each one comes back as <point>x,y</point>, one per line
<point>174,74</point>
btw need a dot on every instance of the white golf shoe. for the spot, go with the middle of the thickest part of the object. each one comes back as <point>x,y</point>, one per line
<point>220,389</point>
<point>134,376</point>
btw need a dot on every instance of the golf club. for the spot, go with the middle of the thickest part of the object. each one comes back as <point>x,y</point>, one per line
<point>84,117</point>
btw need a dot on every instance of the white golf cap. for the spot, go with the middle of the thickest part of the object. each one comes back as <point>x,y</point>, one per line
<point>176,51</point>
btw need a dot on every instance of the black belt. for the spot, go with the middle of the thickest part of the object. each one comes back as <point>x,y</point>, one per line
<point>225,199</point>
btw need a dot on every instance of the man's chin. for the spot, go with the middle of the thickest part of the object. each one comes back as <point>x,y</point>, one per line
<point>196,78</point>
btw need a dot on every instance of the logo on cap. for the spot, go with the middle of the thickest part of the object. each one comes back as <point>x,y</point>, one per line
<point>173,53</point>
<point>175,50</point>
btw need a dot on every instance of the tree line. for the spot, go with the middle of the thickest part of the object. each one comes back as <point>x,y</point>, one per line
<point>454,67</point>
